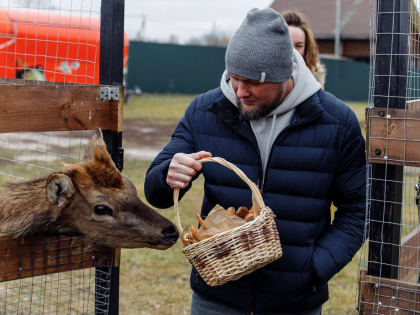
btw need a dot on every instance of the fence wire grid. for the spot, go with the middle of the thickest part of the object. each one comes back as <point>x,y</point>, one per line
<point>389,273</point>
<point>53,275</point>
<point>49,40</point>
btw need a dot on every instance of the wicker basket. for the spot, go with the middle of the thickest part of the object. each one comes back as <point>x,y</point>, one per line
<point>232,254</point>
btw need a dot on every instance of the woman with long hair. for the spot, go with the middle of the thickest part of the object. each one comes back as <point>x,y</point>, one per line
<point>305,44</point>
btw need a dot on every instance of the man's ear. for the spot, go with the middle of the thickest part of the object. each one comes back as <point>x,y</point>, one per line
<point>60,189</point>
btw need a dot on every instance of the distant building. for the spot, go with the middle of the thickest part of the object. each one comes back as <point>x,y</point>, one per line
<point>321,17</point>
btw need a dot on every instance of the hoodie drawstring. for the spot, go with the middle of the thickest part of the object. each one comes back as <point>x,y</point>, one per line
<point>269,146</point>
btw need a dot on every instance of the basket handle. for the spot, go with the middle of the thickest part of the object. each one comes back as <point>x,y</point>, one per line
<point>257,200</point>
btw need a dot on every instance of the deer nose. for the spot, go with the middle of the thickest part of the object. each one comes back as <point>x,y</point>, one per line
<point>170,233</point>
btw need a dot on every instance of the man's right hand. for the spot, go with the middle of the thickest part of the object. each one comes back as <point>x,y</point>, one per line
<point>183,167</point>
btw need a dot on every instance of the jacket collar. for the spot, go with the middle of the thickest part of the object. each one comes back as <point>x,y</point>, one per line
<point>308,110</point>
<point>230,114</point>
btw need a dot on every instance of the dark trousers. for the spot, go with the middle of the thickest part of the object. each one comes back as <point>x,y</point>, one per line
<point>200,305</point>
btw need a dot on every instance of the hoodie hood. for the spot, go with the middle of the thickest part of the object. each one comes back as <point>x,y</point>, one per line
<point>267,129</point>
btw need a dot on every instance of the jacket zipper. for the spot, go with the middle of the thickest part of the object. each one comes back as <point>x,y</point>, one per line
<point>262,175</point>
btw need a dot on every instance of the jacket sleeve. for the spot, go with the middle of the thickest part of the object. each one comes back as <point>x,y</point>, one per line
<point>344,237</point>
<point>157,191</point>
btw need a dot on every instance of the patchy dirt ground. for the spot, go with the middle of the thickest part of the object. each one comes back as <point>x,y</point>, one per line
<point>143,140</point>
<point>144,133</point>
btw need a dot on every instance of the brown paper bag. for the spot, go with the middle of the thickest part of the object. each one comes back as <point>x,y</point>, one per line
<point>218,220</point>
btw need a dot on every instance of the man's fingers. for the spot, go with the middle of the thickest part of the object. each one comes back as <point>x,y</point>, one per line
<point>200,155</point>
<point>183,167</point>
<point>178,177</point>
<point>176,184</point>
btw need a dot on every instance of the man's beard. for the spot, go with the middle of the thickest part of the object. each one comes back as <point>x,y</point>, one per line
<point>259,111</point>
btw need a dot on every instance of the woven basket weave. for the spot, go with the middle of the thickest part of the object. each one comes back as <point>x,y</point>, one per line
<point>232,254</point>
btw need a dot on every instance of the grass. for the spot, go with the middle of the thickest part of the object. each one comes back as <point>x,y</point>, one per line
<point>157,282</point>
<point>161,109</point>
<point>359,109</point>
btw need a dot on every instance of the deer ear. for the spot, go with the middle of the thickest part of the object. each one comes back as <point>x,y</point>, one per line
<point>99,163</point>
<point>101,155</point>
<point>60,189</point>
<point>97,137</point>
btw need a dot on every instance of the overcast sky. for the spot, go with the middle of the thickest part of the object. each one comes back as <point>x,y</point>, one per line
<point>186,18</point>
<point>162,18</point>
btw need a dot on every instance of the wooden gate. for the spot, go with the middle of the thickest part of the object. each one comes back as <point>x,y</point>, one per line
<point>388,280</point>
<point>61,75</point>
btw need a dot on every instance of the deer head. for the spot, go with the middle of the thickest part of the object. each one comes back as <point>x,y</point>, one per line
<point>92,197</point>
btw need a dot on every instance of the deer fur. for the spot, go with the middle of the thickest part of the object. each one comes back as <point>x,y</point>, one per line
<point>90,197</point>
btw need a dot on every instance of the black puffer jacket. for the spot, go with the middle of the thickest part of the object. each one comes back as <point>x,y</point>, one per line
<point>318,159</point>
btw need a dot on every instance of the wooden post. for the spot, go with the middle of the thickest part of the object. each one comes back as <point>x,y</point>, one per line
<point>111,73</point>
<point>112,42</point>
<point>390,91</point>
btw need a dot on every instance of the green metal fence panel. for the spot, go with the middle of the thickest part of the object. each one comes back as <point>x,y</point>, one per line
<point>168,68</point>
<point>346,79</point>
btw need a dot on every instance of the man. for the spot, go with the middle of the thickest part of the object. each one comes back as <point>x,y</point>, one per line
<point>301,145</point>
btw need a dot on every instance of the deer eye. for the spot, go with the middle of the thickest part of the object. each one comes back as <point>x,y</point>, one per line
<point>102,210</point>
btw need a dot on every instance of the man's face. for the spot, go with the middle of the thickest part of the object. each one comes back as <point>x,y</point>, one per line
<point>255,99</point>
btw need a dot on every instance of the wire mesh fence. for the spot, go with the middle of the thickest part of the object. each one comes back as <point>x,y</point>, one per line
<point>50,43</point>
<point>51,40</point>
<point>389,275</point>
<point>53,274</point>
<point>34,154</point>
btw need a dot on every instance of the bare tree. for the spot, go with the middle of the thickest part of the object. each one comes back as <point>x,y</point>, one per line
<point>173,39</point>
<point>215,37</point>
<point>140,35</point>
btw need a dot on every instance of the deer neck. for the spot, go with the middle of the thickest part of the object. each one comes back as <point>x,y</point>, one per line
<point>24,208</point>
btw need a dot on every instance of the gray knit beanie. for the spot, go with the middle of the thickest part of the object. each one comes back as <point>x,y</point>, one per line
<point>261,49</point>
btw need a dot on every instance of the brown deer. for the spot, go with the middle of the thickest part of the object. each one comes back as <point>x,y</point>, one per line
<point>90,197</point>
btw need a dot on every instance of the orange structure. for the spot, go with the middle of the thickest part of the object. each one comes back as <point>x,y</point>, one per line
<point>50,45</point>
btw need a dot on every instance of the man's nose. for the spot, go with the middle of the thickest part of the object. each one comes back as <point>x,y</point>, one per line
<point>242,90</point>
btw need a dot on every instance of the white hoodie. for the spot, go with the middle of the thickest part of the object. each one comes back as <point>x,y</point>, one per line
<point>267,129</point>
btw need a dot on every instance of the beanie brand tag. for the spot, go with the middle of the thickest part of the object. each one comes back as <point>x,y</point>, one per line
<point>262,79</point>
